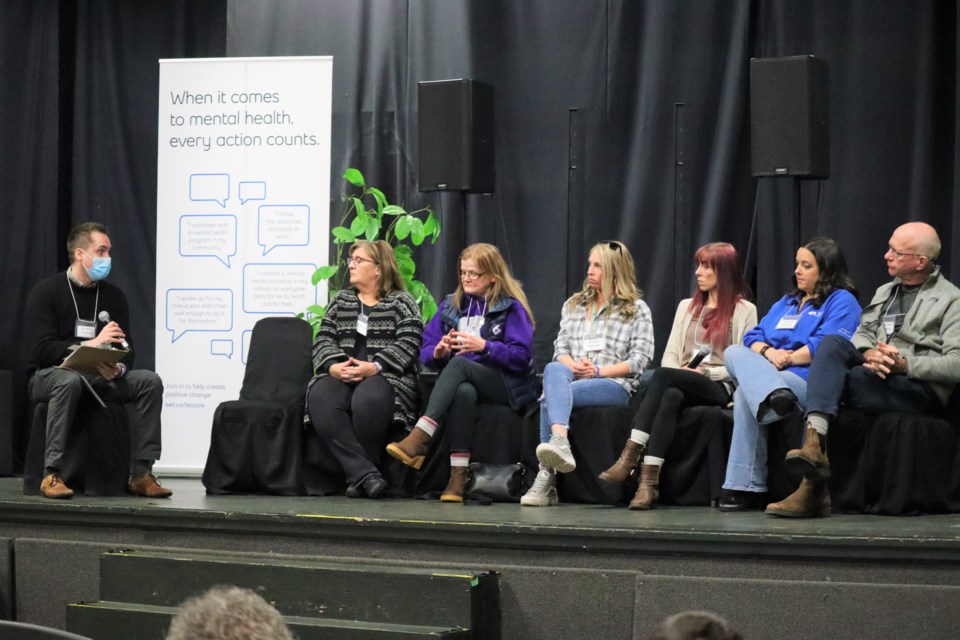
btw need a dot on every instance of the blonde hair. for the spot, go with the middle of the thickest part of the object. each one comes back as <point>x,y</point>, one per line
<point>382,255</point>
<point>489,261</point>
<point>619,282</point>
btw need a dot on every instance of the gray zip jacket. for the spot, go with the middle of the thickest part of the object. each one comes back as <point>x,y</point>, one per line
<point>930,336</point>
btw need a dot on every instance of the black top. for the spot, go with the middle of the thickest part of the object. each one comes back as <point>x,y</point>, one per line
<point>51,317</point>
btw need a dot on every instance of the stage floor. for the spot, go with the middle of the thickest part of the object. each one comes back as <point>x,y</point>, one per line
<point>691,530</point>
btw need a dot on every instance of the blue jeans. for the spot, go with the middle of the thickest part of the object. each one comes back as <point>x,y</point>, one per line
<point>756,379</point>
<point>836,373</point>
<point>561,393</point>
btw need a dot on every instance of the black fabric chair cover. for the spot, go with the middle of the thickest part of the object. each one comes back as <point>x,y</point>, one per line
<point>597,436</point>
<point>96,459</point>
<point>501,436</point>
<point>256,441</point>
<point>894,464</point>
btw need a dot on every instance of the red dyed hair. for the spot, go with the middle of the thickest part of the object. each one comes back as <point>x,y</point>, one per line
<point>722,257</point>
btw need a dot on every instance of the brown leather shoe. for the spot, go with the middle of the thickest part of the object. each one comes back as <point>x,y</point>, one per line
<point>810,460</point>
<point>649,490</point>
<point>459,477</point>
<point>53,487</point>
<point>412,450</point>
<point>626,464</point>
<point>810,500</point>
<point>146,485</point>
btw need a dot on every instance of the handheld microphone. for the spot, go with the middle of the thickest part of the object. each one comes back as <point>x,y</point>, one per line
<point>698,357</point>
<point>104,317</point>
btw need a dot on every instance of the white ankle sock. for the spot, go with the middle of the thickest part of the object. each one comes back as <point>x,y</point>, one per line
<point>427,425</point>
<point>653,460</point>
<point>819,422</point>
<point>640,437</point>
<point>459,459</point>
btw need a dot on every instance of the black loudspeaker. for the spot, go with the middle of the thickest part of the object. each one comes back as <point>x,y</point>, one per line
<point>456,136</point>
<point>788,117</point>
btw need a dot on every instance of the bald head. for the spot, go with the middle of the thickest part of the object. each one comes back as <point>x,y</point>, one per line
<point>913,248</point>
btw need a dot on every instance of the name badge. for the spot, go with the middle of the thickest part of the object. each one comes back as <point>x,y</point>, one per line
<point>788,322</point>
<point>362,324</point>
<point>593,343</point>
<point>85,329</point>
<point>471,325</point>
<point>890,322</point>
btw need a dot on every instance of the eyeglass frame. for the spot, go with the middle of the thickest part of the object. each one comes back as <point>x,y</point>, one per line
<point>900,254</point>
<point>352,259</point>
<point>613,244</point>
<point>471,275</point>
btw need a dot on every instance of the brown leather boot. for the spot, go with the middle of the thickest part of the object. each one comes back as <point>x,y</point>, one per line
<point>649,490</point>
<point>457,486</point>
<point>628,461</point>
<point>810,500</point>
<point>810,460</point>
<point>53,487</point>
<point>412,450</point>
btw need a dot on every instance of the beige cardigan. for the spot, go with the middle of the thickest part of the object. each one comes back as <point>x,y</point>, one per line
<point>744,319</point>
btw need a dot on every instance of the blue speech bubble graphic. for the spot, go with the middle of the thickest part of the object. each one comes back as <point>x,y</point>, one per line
<point>283,225</point>
<point>206,236</point>
<point>198,310</point>
<point>207,187</point>
<point>221,348</point>
<point>252,191</point>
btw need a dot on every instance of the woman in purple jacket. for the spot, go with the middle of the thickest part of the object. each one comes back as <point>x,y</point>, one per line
<point>481,340</point>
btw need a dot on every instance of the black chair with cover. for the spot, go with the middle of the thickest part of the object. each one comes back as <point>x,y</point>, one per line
<point>256,442</point>
<point>10,630</point>
<point>96,456</point>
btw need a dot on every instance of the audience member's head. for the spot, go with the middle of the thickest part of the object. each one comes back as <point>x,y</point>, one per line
<point>228,613</point>
<point>694,625</point>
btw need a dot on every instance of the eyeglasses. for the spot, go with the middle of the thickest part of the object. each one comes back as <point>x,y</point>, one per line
<point>470,275</point>
<point>358,261</point>
<point>900,254</point>
<point>613,244</point>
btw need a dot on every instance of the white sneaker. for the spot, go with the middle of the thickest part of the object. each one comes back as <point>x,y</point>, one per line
<point>543,493</point>
<point>556,454</point>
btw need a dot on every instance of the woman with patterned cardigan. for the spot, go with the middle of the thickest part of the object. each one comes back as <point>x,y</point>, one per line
<point>365,357</point>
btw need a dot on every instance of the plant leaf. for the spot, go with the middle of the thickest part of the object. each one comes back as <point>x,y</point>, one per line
<point>403,227</point>
<point>416,231</point>
<point>402,251</point>
<point>380,198</point>
<point>430,226</point>
<point>393,210</point>
<point>359,224</point>
<point>407,267</point>
<point>324,273</point>
<point>342,235</point>
<point>372,227</point>
<point>354,177</point>
<point>317,310</point>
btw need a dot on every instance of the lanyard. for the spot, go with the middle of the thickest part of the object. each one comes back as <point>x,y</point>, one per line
<point>96,303</point>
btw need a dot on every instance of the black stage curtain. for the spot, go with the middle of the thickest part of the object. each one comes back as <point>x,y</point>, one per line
<point>620,119</point>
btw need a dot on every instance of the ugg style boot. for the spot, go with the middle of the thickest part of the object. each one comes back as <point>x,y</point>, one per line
<point>810,460</point>
<point>649,490</point>
<point>628,461</point>
<point>457,486</point>
<point>810,500</point>
<point>412,450</point>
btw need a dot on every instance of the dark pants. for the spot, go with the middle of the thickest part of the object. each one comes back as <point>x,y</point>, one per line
<point>460,387</point>
<point>353,421</point>
<point>836,374</point>
<point>668,390</point>
<point>61,389</point>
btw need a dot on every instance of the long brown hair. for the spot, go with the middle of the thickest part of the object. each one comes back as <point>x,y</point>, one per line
<point>619,282</point>
<point>382,254</point>
<point>722,257</point>
<point>489,261</point>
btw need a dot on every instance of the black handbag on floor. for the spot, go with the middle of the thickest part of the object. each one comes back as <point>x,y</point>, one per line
<point>496,482</point>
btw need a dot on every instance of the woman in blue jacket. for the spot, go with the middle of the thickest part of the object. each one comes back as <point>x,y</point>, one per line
<point>771,367</point>
<point>481,338</point>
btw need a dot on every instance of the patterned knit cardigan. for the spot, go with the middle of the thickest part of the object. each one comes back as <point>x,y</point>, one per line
<point>394,333</point>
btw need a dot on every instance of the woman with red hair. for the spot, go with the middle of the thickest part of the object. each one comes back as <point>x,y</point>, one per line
<point>691,371</point>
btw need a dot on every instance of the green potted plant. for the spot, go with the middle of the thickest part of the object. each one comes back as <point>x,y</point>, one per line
<point>367,215</point>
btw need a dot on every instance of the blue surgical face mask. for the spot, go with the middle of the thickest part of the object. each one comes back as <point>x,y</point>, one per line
<point>100,268</point>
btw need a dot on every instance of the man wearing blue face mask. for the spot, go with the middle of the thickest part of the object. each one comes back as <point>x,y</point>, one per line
<point>66,310</point>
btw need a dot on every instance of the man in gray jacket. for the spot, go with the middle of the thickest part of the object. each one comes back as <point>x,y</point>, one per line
<point>905,356</point>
